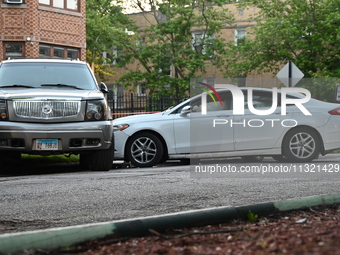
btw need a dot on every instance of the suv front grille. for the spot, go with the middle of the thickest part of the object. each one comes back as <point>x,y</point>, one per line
<point>46,109</point>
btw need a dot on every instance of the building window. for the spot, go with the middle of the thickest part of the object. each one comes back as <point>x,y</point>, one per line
<point>241,11</point>
<point>62,4</point>
<point>108,58</point>
<point>72,4</point>
<point>240,36</point>
<point>141,43</point>
<point>58,52</point>
<point>49,51</point>
<point>202,43</point>
<point>119,96</point>
<point>13,50</point>
<point>44,51</point>
<point>167,70</point>
<point>113,57</point>
<point>197,42</point>
<point>72,54</point>
<point>141,89</point>
<point>58,3</point>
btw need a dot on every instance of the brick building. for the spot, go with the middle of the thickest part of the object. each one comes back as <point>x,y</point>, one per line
<point>235,32</point>
<point>43,29</point>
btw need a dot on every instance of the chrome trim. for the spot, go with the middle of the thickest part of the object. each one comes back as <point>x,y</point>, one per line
<point>46,109</point>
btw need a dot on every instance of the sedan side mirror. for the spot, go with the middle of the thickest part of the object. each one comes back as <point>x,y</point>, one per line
<point>185,110</point>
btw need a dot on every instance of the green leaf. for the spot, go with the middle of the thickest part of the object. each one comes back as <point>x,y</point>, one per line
<point>252,217</point>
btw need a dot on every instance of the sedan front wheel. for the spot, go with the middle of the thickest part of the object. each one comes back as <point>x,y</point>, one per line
<point>144,150</point>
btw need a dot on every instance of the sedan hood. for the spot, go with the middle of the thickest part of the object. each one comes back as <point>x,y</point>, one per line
<point>138,118</point>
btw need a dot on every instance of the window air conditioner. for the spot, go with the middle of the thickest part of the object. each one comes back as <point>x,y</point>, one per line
<point>14,1</point>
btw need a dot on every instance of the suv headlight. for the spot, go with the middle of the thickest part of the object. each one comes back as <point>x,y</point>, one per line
<point>97,110</point>
<point>3,110</point>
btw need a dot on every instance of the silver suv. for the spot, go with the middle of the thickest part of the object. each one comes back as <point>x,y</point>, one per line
<point>50,106</point>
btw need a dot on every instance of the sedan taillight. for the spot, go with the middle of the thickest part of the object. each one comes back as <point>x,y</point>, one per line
<point>335,111</point>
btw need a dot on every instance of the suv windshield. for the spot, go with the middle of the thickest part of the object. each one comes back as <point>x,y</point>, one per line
<point>36,75</point>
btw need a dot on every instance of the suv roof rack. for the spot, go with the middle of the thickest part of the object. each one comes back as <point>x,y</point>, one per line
<point>71,59</point>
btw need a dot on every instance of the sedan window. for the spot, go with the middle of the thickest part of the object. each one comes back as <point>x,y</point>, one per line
<point>213,104</point>
<point>261,100</point>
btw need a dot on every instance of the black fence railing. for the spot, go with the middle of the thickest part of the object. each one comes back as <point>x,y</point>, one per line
<point>125,104</point>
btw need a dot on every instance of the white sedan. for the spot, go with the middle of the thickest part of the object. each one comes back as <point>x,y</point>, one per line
<point>192,130</point>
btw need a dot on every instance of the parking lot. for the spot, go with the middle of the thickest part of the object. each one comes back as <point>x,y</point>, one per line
<point>35,197</point>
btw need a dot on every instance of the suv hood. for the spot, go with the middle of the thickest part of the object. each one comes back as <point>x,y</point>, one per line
<point>52,93</point>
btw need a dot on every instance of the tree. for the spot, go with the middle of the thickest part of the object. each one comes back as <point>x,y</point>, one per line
<point>179,43</point>
<point>303,31</point>
<point>105,24</point>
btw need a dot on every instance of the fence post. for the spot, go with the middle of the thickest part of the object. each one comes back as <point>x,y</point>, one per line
<point>150,104</point>
<point>132,104</point>
<point>113,107</point>
<point>162,103</point>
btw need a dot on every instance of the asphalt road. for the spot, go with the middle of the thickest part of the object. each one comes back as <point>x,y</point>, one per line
<point>36,197</point>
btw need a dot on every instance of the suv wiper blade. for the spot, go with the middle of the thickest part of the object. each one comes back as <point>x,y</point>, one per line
<point>16,86</point>
<point>60,85</point>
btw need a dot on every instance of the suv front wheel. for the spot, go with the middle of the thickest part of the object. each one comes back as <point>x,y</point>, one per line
<point>97,160</point>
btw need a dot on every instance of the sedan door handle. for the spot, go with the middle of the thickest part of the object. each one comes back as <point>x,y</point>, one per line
<point>220,116</point>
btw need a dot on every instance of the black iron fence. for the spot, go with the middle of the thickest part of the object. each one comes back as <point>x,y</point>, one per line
<point>125,104</point>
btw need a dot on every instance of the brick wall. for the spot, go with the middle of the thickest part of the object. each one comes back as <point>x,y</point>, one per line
<point>43,25</point>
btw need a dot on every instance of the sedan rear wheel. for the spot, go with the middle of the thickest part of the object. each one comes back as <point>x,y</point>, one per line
<point>301,145</point>
<point>144,150</point>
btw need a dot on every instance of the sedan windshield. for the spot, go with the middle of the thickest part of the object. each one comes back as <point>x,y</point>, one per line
<point>43,74</point>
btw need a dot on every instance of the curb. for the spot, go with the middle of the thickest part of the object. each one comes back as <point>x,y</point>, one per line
<point>67,236</point>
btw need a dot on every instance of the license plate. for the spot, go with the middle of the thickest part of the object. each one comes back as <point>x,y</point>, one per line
<point>46,144</point>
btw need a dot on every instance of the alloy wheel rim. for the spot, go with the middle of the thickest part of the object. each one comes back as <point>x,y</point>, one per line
<point>143,150</point>
<point>302,145</point>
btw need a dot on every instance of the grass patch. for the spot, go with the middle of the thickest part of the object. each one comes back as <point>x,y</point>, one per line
<point>53,159</point>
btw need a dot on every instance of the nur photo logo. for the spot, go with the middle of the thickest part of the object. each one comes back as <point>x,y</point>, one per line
<point>239,101</point>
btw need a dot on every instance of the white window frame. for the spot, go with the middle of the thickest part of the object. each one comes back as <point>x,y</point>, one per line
<point>107,59</point>
<point>197,38</point>
<point>240,33</point>
<point>118,88</point>
<point>160,70</point>
<point>141,90</point>
<point>113,51</point>
<point>71,5</point>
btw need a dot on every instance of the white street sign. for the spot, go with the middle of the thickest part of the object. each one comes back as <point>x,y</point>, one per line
<point>337,92</point>
<point>290,75</point>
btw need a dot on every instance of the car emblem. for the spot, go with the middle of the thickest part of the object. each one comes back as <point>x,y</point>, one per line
<point>46,109</point>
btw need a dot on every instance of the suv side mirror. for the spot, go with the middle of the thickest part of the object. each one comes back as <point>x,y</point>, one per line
<point>103,88</point>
